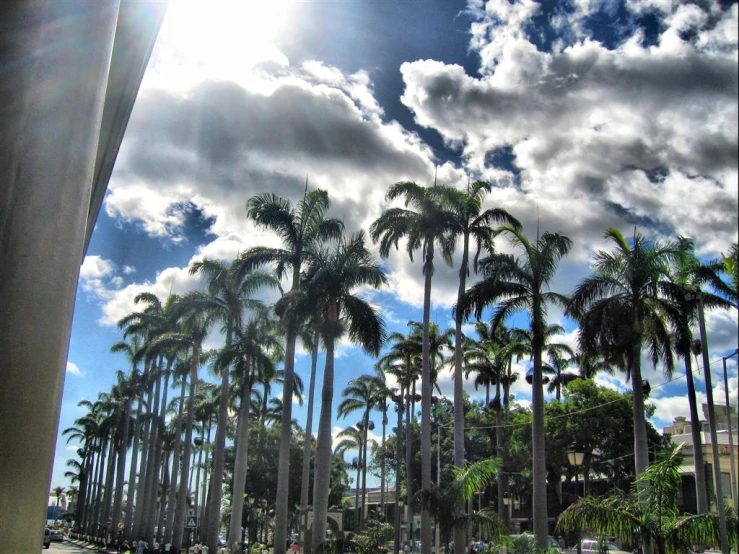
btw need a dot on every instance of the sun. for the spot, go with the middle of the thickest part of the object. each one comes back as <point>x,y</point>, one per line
<point>218,39</point>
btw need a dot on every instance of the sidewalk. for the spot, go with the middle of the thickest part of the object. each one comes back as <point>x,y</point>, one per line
<point>88,546</point>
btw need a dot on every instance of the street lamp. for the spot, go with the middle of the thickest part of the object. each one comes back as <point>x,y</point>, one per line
<point>576,460</point>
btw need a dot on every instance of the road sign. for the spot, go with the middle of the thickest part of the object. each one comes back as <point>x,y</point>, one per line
<point>191,522</point>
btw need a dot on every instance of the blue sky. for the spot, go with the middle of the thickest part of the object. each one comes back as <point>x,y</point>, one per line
<point>584,114</point>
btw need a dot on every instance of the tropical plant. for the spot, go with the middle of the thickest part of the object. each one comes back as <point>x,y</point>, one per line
<point>521,284</point>
<point>446,502</point>
<point>333,278</point>
<point>423,227</point>
<point>469,222</point>
<point>620,310</point>
<point>651,516</point>
<point>302,229</point>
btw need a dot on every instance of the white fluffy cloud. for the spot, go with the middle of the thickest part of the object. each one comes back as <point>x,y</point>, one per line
<point>640,134</point>
<point>73,369</point>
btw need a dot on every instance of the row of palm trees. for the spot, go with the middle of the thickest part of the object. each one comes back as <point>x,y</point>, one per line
<point>636,297</point>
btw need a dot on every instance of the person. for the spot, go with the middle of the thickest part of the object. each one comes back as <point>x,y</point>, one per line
<point>142,546</point>
<point>561,541</point>
<point>295,547</point>
<point>472,548</point>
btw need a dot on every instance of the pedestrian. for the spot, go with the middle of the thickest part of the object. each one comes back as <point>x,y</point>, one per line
<point>472,549</point>
<point>142,546</point>
<point>561,541</point>
<point>295,547</point>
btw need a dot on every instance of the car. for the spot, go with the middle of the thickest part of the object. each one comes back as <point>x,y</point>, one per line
<point>592,546</point>
<point>47,537</point>
<point>57,536</point>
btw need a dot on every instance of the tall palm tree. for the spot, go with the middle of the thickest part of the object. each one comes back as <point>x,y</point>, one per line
<point>423,227</point>
<point>333,279</point>
<point>620,310</point>
<point>360,395</point>
<point>469,222</point>
<point>256,347</point>
<point>230,289</point>
<point>302,229</point>
<point>310,339</point>
<point>688,275</point>
<point>522,284</point>
<point>352,438</point>
<point>403,362</point>
<point>134,351</point>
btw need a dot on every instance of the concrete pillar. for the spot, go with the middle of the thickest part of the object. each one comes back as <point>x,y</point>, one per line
<point>54,64</point>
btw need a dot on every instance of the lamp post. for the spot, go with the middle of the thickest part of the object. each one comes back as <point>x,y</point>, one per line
<point>734,485</point>
<point>712,423</point>
<point>576,460</point>
<point>507,503</point>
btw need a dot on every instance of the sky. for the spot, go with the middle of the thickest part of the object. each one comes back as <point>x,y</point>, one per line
<point>583,114</point>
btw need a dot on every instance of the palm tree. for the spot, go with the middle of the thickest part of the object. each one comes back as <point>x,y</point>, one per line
<point>134,351</point>
<point>620,311</point>
<point>360,394</point>
<point>229,295</point>
<point>444,502</point>
<point>469,222</point>
<point>425,226</point>
<point>521,284</point>
<point>310,339</point>
<point>352,439</point>
<point>403,362</point>
<point>651,517</point>
<point>302,229</point>
<point>333,279</point>
<point>256,348</point>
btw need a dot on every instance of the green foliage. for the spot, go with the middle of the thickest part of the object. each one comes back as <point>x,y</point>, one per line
<point>649,513</point>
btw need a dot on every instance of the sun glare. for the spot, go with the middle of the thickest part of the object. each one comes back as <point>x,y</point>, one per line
<point>218,39</point>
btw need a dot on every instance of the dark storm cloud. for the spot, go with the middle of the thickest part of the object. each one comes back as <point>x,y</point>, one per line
<point>210,133</point>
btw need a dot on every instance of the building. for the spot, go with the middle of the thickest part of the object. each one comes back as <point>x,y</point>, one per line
<point>680,433</point>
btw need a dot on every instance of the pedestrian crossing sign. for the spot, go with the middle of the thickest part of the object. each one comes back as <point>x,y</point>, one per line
<point>191,522</point>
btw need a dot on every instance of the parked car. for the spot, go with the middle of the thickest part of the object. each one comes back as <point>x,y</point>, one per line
<point>47,537</point>
<point>57,536</point>
<point>591,546</point>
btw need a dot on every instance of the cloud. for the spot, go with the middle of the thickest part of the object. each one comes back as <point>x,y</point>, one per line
<point>598,135</point>
<point>73,369</point>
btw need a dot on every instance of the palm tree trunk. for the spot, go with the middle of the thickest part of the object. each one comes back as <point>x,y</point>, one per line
<point>305,482</point>
<point>322,478</point>
<point>172,495</point>
<point>99,486</point>
<point>695,432</point>
<point>408,467</point>
<point>141,485</point>
<point>459,534</point>
<point>240,463</point>
<point>539,501</point>
<point>382,462</point>
<point>363,512</point>
<point>283,463</point>
<point>179,514</point>
<point>167,485</point>
<point>127,530</point>
<point>426,527</point>
<point>398,467</point>
<point>502,511</point>
<point>216,479</point>
<point>118,499</point>
<point>157,452</point>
